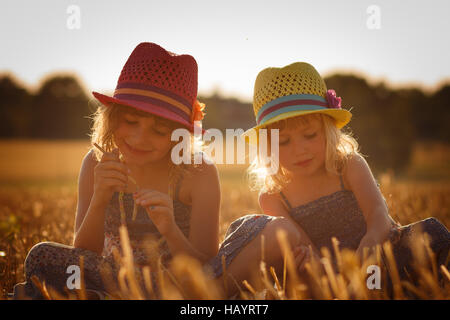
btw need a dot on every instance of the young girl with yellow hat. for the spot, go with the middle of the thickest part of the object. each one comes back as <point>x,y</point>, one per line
<point>323,187</point>
<point>131,179</point>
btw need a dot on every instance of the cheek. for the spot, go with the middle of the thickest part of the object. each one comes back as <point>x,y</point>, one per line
<point>121,130</point>
<point>163,144</point>
<point>319,148</point>
<point>284,156</point>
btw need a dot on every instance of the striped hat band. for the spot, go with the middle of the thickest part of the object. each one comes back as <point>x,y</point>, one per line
<point>295,102</point>
<point>153,95</point>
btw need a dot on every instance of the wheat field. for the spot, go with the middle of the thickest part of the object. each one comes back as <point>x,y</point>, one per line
<point>38,183</point>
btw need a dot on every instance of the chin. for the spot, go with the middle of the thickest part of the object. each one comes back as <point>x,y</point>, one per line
<point>304,171</point>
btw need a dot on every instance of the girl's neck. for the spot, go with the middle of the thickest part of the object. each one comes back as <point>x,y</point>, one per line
<point>154,174</point>
<point>299,182</point>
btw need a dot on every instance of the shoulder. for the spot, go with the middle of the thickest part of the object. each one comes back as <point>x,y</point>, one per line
<point>355,162</point>
<point>266,198</point>
<point>89,159</point>
<point>85,186</point>
<point>203,178</point>
<point>87,164</point>
<point>270,203</point>
<point>356,170</point>
<point>201,189</point>
<point>206,169</point>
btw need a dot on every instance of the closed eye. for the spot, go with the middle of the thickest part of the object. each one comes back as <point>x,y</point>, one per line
<point>160,133</point>
<point>130,122</point>
<point>310,136</point>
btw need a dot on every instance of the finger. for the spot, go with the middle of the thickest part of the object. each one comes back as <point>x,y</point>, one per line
<point>111,156</point>
<point>115,184</point>
<point>151,195</point>
<point>116,166</point>
<point>154,208</point>
<point>148,191</point>
<point>149,201</point>
<point>141,192</point>
<point>155,211</point>
<point>113,175</point>
<point>157,196</point>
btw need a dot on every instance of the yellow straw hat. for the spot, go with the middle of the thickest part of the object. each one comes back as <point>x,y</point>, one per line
<point>294,90</point>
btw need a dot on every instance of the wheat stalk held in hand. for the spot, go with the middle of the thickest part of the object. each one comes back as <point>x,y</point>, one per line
<point>121,206</point>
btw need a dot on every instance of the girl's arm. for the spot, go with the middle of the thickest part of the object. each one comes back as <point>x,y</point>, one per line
<point>203,240</point>
<point>90,216</point>
<point>361,181</point>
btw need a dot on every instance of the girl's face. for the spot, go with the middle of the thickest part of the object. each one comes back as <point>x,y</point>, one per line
<point>302,147</point>
<point>143,139</point>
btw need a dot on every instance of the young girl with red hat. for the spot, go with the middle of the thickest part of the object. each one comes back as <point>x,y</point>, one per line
<point>131,180</point>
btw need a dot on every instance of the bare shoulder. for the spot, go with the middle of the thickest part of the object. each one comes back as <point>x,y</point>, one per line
<point>271,203</point>
<point>356,170</point>
<point>86,175</point>
<point>266,199</point>
<point>202,181</point>
<point>355,163</point>
<point>206,170</point>
<point>207,167</point>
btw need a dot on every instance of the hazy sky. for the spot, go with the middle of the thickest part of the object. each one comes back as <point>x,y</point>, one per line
<point>231,40</point>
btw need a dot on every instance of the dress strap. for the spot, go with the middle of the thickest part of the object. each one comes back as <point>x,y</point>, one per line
<point>177,189</point>
<point>342,182</point>
<point>286,200</point>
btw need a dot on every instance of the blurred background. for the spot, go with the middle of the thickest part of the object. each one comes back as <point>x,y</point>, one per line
<point>386,59</point>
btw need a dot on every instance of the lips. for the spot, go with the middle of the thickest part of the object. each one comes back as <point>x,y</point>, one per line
<point>136,151</point>
<point>303,163</point>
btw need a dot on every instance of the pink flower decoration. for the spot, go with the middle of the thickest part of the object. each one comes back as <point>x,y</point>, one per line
<point>333,101</point>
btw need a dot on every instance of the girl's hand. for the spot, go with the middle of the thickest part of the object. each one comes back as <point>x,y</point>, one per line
<point>159,207</point>
<point>302,255</point>
<point>109,175</point>
<point>368,241</point>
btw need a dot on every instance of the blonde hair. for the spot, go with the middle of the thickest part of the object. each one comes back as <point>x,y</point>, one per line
<point>339,147</point>
<point>105,122</point>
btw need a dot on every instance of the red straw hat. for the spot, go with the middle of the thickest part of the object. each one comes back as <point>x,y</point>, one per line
<point>159,82</point>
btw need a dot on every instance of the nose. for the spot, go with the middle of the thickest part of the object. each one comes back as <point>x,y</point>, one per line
<point>300,147</point>
<point>141,138</point>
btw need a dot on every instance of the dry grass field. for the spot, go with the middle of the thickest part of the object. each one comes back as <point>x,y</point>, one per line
<point>38,183</point>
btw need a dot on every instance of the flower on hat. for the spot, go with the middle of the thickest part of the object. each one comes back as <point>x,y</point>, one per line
<point>333,101</point>
<point>197,111</point>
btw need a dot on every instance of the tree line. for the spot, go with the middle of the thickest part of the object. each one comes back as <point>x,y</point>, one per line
<point>386,121</point>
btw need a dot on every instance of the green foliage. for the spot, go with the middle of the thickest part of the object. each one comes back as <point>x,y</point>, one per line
<point>15,109</point>
<point>386,122</point>
<point>57,111</point>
